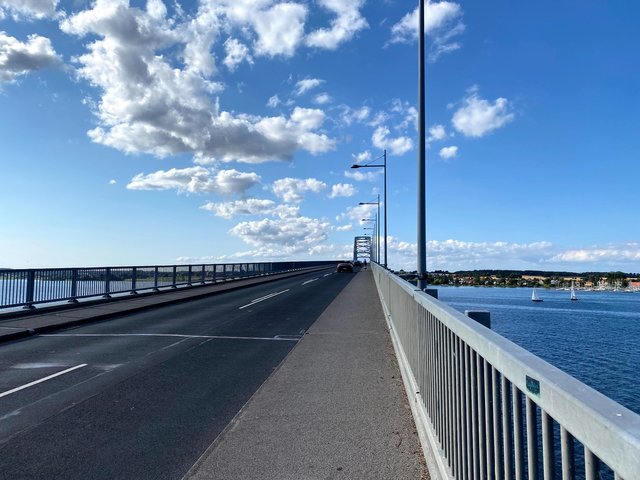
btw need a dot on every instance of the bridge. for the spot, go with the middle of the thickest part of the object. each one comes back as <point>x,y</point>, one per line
<point>281,370</point>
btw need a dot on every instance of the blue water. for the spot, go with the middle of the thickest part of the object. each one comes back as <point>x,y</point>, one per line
<point>596,339</point>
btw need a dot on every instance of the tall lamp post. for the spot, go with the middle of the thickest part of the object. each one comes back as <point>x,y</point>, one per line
<point>378,203</point>
<point>375,220</point>
<point>422,225</point>
<point>384,166</point>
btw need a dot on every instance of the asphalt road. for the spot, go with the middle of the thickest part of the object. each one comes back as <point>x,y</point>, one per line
<point>143,395</point>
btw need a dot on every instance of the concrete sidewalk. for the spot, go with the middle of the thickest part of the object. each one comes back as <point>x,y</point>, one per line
<point>335,408</point>
<point>16,325</point>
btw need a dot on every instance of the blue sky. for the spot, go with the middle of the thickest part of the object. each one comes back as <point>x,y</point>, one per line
<point>151,132</point>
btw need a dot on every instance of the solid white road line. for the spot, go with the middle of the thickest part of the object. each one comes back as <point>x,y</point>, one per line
<point>309,281</point>
<point>262,299</point>
<point>17,389</point>
<point>217,337</point>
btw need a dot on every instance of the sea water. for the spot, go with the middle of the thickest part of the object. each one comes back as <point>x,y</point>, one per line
<point>596,339</point>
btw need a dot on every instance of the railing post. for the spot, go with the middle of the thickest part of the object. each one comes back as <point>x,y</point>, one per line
<point>107,283</point>
<point>224,272</point>
<point>155,279</point>
<point>134,280</point>
<point>483,317</point>
<point>74,286</point>
<point>175,277</point>
<point>189,279</point>
<point>31,287</point>
<point>215,273</point>
<point>204,273</point>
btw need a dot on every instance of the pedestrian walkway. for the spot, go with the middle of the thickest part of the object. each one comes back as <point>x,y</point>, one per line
<point>336,407</point>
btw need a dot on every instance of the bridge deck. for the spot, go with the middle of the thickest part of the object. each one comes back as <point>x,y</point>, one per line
<point>335,408</point>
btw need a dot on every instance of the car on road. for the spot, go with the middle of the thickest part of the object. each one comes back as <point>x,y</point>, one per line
<point>357,263</point>
<point>344,267</point>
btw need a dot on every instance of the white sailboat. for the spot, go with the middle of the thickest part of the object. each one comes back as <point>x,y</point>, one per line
<point>534,296</point>
<point>573,292</point>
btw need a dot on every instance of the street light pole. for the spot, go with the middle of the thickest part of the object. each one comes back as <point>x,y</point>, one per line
<point>422,227</point>
<point>384,165</point>
<point>378,220</point>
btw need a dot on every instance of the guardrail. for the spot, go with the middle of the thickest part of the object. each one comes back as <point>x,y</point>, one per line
<point>490,409</point>
<point>27,287</point>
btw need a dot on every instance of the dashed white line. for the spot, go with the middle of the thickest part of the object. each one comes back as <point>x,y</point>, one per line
<point>262,299</point>
<point>327,274</point>
<point>179,335</point>
<point>309,281</point>
<point>22,387</point>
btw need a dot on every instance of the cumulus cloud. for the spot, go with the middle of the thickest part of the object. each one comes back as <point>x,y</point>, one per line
<point>19,58</point>
<point>237,53</point>
<point>397,146</point>
<point>29,8</point>
<point>112,182</point>
<point>280,29</point>
<point>195,180</point>
<point>478,116</point>
<point>609,254</point>
<point>357,213</point>
<point>344,26</point>
<point>249,206</point>
<point>437,132</point>
<point>441,23</point>
<point>274,101</point>
<point>307,84</point>
<point>349,115</point>
<point>342,190</point>
<point>288,236</point>
<point>461,255</point>
<point>322,98</point>
<point>149,105</point>
<point>448,153</point>
<point>359,176</point>
<point>292,190</point>
<point>345,228</point>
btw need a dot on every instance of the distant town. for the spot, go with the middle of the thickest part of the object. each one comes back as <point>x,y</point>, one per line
<point>610,281</point>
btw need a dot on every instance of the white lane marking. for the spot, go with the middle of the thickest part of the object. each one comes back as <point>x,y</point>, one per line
<point>17,389</point>
<point>262,299</point>
<point>179,335</point>
<point>309,281</point>
<point>327,274</point>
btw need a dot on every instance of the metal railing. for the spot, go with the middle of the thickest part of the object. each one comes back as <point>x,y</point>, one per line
<point>28,287</point>
<point>492,410</point>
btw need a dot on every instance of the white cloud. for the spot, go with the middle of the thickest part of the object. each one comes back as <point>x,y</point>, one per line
<point>274,101</point>
<point>29,8</point>
<point>478,116</point>
<point>250,206</point>
<point>288,236</point>
<point>291,190</point>
<point>437,132</point>
<point>307,84</point>
<point>234,182</point>
<point>609,254</point>
<point>280,29</point>
<point>448,153</point>
<point>345,228</point>
<point>322,99</point>
<point>347,23</point>
<point>236,54</point>
<point>359,176</point>
<point>397,146</point>
<point>195,180</point>
<point>460,255</point>
<point>349,115</point>
<point>19,58</point>
<point>112,182</point>
<point>357,213</point>
<point>441,23</point>
<point>342,190</point>
<point>149,105</point>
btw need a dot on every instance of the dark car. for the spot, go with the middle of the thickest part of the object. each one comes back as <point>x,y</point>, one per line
<point>344,267</point>
<point>357,263</point>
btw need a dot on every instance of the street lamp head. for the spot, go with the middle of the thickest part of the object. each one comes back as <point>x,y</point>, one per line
<point>355,166</point>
